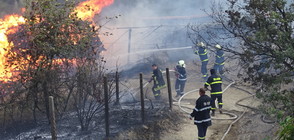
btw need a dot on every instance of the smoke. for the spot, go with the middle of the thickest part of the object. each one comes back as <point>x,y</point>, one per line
<point>143,12</point>
<point>156,24</point>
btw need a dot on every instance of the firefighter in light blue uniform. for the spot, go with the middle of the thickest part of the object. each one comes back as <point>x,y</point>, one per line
<point>219,60</point>
<point>202,52</point>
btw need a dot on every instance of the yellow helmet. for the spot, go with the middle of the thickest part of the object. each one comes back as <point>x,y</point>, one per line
<point>218,46</point>
<point>181,63</point>
<point>201,44</point>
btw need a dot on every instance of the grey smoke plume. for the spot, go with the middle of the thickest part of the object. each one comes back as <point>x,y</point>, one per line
<point>162,24</point>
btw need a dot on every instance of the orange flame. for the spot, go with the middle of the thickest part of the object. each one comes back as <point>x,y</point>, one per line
<point>8,25</point>
<point>88,9</point>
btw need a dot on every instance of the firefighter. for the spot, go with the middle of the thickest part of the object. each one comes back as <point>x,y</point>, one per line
<point>219,60</point>
<point>159,82</point>
<point>180,72</point>
<point>202,52</point>
<point>201,114</point>
<point>215,82</point>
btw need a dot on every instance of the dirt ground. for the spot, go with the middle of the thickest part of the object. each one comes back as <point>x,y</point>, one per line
<point>163,124</point>
<point>249,127</point>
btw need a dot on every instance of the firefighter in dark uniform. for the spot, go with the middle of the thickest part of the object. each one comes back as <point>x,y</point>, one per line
<point>215,82</point>
<point>158,81</point>
<point>180,72</point>
<point>219,60</point>
<point>202,52</point>
<point>201,114</point>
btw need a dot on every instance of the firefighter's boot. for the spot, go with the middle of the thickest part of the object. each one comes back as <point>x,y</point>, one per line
<point>221,111</point>
<point>213,113</point>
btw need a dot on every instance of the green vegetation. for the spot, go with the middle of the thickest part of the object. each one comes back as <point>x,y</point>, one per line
<point>260,34</point>
<point>287,129</point>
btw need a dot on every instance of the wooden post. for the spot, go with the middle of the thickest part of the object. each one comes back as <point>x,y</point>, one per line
<point>117,87</point>
<point>142,98</point>
<point>52,118</point>
<point>106,107</point>
<point>169,89</point>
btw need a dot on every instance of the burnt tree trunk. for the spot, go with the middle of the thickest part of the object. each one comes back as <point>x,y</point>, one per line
<point>46,99</point>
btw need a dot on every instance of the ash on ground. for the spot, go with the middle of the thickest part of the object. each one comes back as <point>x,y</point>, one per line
<point>124,118</point>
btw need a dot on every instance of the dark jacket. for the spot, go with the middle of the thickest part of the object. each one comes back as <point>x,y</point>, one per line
<point>215,82</point>
<point>219,58</point>
<point>181,73</point>
<point>157,77</point>
<point>202,52</point>
<point>201,111</point>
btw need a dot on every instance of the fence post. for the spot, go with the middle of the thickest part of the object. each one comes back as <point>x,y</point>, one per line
<point>142,98</point>
<point>106,107</point>
<point>169,89</point>
<point>52,118</point>
<point>117,87</point>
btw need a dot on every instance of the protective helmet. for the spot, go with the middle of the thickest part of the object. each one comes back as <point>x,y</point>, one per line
<point>218,46</point>
<point>181,63</point>
<point>201,44</point>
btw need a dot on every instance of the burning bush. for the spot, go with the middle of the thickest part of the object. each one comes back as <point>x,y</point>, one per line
<point>50,51</point>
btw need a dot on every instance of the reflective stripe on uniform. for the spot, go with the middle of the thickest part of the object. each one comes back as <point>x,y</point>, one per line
<point>204,108</point>
<point>216,82</point>
<point>216,92</point>
<point>156,94</point>
<point>204,75</point>
<point>155,80</point>
<point>220,56</point>
<point>207,83</point>
<point>204,60</point>
<point>215,79</point>
<point>201,121</point>
<point>182,79</point>
<point>213,108</point>
<point>159,88</point>
<point>203,53</point>
<point>221,103</point>
<point>201,138</point>
<point>220,63</point>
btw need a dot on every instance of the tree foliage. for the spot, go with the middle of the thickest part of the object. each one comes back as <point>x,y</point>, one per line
<point>260,34</point>
<point>57,54</point>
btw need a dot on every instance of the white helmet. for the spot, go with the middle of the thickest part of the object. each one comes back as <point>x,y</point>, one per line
<point>201,44</point>
<point>182,63</point>
<point>218,46</point>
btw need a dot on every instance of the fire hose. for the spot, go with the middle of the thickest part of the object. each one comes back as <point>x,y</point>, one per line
<point>233,116</point>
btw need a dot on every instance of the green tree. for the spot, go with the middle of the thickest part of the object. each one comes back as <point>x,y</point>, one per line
<point>260,34</point>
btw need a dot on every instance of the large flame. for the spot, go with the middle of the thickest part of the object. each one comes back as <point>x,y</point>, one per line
<point>88,9</point>
<point>8,25</point>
